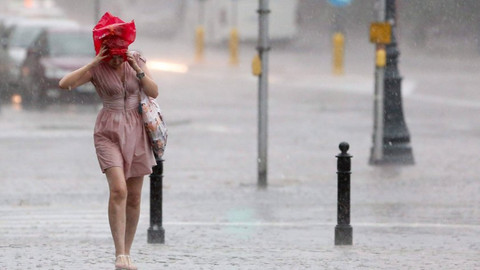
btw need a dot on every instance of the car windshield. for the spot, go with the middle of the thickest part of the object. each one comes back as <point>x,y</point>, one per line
<point>23,36</point>
<point>70,44</point>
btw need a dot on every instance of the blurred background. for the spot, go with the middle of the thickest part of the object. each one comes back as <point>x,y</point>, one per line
<point>422,23</point>
<point>423,27</point>
<point>404,216</point>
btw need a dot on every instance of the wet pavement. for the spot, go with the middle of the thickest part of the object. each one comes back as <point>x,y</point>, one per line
<point>53,198</point>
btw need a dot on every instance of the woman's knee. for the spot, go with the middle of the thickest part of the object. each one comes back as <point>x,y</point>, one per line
<point>116,182</point>
<point>134,199</point>
<point>118,193</point>
<point>134,186</point>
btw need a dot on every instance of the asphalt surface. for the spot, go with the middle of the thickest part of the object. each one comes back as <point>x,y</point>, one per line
<point>53,199</point>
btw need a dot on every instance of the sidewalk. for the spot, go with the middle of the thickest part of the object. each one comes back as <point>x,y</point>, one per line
<point>53,210</point>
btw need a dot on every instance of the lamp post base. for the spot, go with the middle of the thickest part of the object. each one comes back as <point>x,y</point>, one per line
<point>393,154</point>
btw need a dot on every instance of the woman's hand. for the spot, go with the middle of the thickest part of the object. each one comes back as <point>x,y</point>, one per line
<point>100,56</point>
<point>133,62</point>
<point>148,85</point>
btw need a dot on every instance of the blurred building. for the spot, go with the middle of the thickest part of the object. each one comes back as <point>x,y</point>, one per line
<point>427,24</point>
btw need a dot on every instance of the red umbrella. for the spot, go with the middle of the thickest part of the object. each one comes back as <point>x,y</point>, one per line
<point>115,34</point>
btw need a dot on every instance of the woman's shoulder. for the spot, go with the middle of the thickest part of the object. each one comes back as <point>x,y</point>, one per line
<point>95,69</point>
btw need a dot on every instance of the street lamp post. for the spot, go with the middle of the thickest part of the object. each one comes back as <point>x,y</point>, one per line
<point>395,138</point>
<point>263,49</point>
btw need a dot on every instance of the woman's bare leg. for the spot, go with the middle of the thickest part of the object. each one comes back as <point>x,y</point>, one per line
<point>117,207</point>
<point>134,187</point>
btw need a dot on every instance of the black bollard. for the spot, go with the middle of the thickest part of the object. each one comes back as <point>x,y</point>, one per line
<point>343,230</point>
<point>156,233</point>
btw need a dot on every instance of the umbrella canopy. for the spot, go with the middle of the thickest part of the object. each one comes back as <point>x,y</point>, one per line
<point>115,34</point>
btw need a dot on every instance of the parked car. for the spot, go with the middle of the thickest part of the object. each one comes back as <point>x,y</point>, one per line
<point>21,35</point>
<point>52,55</point>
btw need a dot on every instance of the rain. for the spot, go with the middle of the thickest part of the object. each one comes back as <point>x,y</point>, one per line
<point>250,177</point>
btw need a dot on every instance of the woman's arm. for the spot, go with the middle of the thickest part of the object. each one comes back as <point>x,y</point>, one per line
<point>76,78</point>
<point>81,75</point>
<point>149,86</point>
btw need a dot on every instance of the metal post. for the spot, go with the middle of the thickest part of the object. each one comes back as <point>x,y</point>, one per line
<point>396,147</point>
<point>380,7</point>
<point>263,49</point>
<point>200,32</point>
<point>156,233</point>
<point>377,150</point>
<point>234,39</point>
<point>343,230</point>
<point>338,42</point>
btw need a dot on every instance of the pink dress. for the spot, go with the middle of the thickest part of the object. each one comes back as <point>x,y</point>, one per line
<point>120,137</point>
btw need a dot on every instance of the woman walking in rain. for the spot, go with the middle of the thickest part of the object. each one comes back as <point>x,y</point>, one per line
<point>121,142</point>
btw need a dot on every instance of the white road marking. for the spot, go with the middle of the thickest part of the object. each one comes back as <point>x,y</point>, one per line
<point>95,224</point>
<point>446,101</point>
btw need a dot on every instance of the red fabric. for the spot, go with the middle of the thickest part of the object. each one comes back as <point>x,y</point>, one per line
<point>115,34</point>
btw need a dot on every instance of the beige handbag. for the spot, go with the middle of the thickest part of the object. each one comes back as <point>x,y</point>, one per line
<point>154,124</point>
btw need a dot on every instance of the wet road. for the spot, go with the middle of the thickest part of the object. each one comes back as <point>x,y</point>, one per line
<point>425,216</point>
